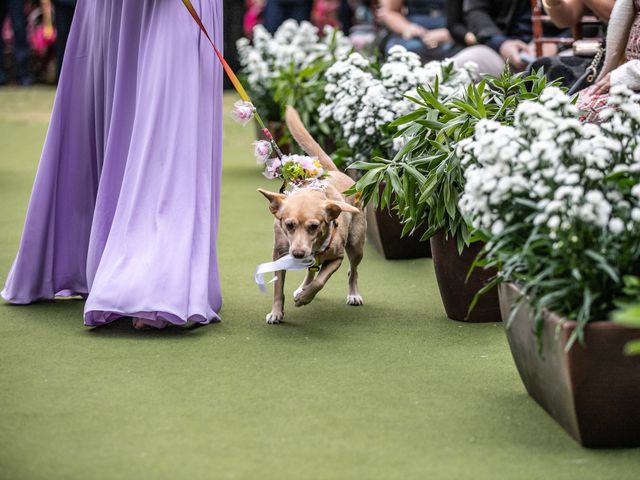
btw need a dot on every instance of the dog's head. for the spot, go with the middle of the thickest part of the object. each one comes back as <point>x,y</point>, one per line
<point>305,218</point>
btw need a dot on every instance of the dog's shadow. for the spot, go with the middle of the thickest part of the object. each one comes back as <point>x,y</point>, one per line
<point>324,320</point>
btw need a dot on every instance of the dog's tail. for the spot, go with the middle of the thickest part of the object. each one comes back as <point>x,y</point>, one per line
<point>305,140</point>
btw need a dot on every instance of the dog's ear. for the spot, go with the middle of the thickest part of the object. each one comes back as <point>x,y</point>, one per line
<point>275,200</point>
<point>334,209</point>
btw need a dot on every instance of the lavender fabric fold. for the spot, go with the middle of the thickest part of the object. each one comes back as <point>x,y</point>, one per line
<point>124,210</point>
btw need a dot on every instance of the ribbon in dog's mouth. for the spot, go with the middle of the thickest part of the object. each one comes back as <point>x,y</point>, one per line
<point>288,262</point>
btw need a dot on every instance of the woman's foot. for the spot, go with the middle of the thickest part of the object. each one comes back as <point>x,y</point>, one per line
<point>141,324</point>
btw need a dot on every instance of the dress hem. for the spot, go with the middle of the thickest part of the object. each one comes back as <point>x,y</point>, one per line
<point>158,319</point>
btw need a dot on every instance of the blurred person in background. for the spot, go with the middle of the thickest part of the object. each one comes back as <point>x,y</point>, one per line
<point>569,69</point>
<point>504,31</point>
<point>457,25</point>
<point>346,16</point>
<point>63,15</point>
<point>567,13</point>
<point>325,13</point>
<point>15,11</point>
<point>252,16</point>
<point>418,25</point>
<point>277,11</point>
<point>63,18</point>
<point>622,59</point>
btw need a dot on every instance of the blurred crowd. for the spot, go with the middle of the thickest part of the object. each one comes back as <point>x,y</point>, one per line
<point>33,37</point>
<point>491,33</point>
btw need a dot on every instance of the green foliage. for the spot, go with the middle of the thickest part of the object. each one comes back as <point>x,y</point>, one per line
<point>303,89</point>
<point>629,312</point>
<point>425,178</point>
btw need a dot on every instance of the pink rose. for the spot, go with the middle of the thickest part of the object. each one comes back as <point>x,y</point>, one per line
<point>243,112</point>
<point>262,150</point>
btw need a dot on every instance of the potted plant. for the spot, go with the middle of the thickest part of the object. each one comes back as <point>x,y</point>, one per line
<point>559,205</point>
<point>287,68</point>
<point>363,98</point>
<point>427,177</point>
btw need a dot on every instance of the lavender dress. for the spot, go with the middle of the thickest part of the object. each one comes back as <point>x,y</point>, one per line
<point>124,208</point>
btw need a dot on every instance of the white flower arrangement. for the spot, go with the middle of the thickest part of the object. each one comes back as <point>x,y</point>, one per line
<point>551,160</point>
<point>297,44</point>
<point>559,203</point>
<point>362,97</point>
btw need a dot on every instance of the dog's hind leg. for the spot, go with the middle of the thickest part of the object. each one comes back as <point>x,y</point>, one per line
<point>355,257</point>
<point>277,310</point>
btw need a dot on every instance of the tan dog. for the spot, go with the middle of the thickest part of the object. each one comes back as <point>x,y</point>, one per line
<point>316,222</point>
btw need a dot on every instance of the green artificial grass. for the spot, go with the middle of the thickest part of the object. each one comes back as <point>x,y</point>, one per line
<point>391,390</point>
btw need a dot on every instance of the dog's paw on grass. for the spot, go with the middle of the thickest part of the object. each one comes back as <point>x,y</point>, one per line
<point>354,300</point>
<point>274,318</point>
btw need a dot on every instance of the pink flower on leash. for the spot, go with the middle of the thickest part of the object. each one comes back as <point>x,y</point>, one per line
<point>262,150</point>
<point>273,168</point>
<point>243,112</point>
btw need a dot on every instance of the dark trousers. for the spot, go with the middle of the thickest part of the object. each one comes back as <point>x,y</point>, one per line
<point>346,16</point>
<point>15,10</point>
<point>64,16</point>
<point>277,11</point>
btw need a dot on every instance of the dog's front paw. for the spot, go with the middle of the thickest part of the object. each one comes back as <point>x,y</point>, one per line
<point>274,318</point>
<point>355,300</point>
<point>304,297</point>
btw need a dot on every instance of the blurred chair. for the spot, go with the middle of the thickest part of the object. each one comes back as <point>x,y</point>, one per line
<point>540,19</point>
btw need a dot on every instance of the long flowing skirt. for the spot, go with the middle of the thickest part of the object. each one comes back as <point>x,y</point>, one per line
<point>124,209</point>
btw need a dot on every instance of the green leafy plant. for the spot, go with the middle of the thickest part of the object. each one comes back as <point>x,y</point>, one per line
<point>628,313</point>
<point>304,90</point>
<point>424,180</point>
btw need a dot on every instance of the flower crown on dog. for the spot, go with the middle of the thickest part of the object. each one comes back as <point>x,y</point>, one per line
<point>294,170</point>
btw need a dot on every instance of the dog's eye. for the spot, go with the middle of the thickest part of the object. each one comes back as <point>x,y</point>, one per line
<point>290,226</point>
<point>312,228</point>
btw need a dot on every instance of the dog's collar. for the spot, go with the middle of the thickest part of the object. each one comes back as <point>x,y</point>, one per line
<point>325,246</point>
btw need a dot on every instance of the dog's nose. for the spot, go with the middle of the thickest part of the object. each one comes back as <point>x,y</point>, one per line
<point>298,253</point>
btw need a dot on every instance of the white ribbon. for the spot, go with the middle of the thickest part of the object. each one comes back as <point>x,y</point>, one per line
<point>288,262</point>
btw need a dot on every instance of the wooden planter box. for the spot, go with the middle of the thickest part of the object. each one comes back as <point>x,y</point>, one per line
<point>593,390</point>
<point>456,292</point>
